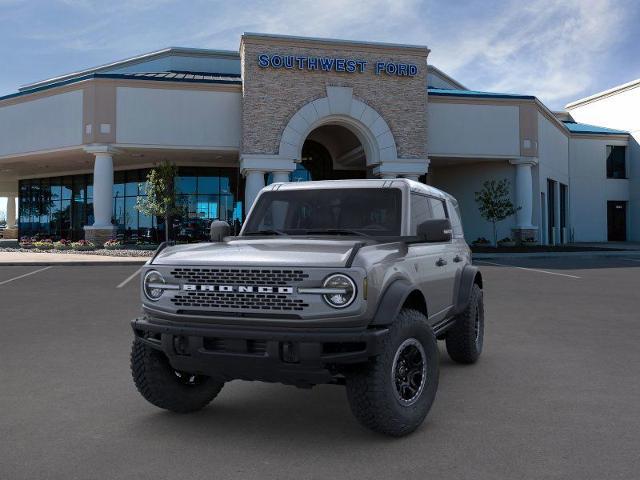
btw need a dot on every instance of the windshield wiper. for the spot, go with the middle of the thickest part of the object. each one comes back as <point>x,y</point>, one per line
<point>266,232</point>
<point>338,231</point>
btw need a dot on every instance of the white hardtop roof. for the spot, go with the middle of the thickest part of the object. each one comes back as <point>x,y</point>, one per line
<point>359,183</point>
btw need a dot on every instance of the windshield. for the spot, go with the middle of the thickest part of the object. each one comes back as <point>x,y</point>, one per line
<point>350,211</point>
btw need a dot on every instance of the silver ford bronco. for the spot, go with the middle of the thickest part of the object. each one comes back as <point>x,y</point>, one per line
<point>349,282</point>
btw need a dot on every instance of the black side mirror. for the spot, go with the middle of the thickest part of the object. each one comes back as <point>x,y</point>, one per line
<point>435,230</point>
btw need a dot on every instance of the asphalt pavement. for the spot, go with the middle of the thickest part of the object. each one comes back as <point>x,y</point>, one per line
<point>555,394</point>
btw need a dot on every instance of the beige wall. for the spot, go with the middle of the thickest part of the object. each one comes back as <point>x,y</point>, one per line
<point>272,96</point>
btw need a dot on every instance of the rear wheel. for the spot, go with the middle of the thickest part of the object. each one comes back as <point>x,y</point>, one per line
<point>393,393</point>
<point>465,339</point>
<point>165,387</point>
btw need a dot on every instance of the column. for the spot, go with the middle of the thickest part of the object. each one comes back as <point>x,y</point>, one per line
<point>11,211</point>
<point>410,168</point>
<point>412,177</point>
<point>280,176</point>
<point>557,228</point>
<point>102,228</point>
<point>254,183</point>
<point>524,198</point>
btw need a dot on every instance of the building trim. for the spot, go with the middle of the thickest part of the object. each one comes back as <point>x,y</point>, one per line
<point>436,71</point>
<point>315,42</point>
<point>234,84</point>
<point>604,94</point>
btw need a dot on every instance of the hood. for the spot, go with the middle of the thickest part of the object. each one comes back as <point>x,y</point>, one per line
<point>260,252</point>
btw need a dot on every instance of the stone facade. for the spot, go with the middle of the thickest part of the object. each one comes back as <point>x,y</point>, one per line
<point>272,96</point>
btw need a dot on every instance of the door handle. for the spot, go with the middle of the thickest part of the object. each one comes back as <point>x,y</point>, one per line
<point>441,262</point>
<point>457,259</point>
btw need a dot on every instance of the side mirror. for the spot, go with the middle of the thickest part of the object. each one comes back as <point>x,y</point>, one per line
<point>435,230</point>
<point>218,230</point>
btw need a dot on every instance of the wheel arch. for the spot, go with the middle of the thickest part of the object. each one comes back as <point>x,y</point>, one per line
<point>470,276</point>
<point>400,294</point>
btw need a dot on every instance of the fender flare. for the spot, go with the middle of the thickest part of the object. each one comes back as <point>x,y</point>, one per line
<point>467,279</point>
<point>391,302</point>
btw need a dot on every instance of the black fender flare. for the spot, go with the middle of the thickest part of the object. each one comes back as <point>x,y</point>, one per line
<point>467,279</point>
<point>391,301</point>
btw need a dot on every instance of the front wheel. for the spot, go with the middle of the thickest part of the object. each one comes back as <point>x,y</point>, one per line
<point>393,393</point>
<point>163,386</point>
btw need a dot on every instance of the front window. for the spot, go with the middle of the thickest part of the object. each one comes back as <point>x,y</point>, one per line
<point>616,164</point>
<point>349,211</point>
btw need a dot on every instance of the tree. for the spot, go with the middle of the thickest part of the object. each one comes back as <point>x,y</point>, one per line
<point>160,199</point>
<point>494,203</point>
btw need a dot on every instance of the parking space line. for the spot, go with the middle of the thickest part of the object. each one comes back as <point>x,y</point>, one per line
<point>25,275</point>
<point>529,269</point>
<point>129,278</point>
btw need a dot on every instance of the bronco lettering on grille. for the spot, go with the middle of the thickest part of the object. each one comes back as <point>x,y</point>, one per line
<point>237,289</point>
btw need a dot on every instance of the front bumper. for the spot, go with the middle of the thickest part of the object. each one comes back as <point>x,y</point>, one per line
<point>301,357</point>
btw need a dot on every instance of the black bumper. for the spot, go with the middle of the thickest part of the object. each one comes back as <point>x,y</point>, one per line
<point>299,357</point>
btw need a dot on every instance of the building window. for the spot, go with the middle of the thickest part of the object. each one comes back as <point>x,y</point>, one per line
<point>616,161</point>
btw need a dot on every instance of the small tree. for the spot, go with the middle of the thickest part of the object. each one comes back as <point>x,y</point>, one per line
<point>161,199</point>
<point>494,203</point>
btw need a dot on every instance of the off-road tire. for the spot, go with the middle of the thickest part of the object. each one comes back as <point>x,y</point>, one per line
<point>162,386</point>
<point>371,388</point>
<point>464,342</point>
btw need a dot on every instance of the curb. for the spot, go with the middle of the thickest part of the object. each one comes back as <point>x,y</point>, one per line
<point>72,264</point>
<point>618,253</point>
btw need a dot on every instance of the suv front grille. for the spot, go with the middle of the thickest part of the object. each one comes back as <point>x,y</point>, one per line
<point>238,301</point>
<point>238,276</point>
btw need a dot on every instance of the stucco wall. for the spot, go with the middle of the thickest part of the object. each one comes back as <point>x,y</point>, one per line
<point>473,129</point>
<point>466,178</point>
<point>272,96</point>
<point>620,111</point>
<point>43,124</point>
<point>190,118</point>
<point>590,190</point>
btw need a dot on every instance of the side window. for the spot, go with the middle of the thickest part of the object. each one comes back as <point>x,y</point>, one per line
<point>420,211</point>
<point>454,215</point>
<point>437,207</point>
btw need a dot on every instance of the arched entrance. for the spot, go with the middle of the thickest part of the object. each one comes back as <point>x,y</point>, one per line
<point>331,152</point>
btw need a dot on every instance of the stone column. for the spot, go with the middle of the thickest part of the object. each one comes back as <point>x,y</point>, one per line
<point>102,228</point>
<point>280,176</point>
<point>254,183</point>
<point>557,228</point>
<point>11,211</point>
<point>410,168</point>
<point>524,198</point>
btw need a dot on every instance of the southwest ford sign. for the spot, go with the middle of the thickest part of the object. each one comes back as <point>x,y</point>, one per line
<point>334,64</point>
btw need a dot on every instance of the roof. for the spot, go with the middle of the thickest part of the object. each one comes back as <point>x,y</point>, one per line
<point>584,128</point>
<point>134,60</point>
<point>443,92</point>
<point>172,76</point>
<point>604,93</point>
<point>436,71</point>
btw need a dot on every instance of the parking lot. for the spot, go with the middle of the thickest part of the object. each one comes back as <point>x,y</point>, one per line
<point>556,393</point>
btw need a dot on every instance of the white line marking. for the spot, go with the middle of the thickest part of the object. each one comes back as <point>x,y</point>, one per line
<point>129,278</point>
<point>529,269</point>
<point>25,275</point>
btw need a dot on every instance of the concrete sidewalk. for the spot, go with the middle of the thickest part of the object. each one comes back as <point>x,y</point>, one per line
<point>634,254</point>
<point>35,259</point>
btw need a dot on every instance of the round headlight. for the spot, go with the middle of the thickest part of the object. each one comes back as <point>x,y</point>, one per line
<point>152,285</point>
<point>341,291</point>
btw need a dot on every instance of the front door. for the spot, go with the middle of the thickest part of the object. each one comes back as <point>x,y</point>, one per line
<point>617,221</point>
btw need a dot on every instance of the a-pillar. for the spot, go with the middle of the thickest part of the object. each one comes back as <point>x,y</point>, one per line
<point>102,228</point>
<point>524,229</point>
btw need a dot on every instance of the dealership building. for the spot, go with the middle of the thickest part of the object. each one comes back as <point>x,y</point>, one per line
<point>75,149</point>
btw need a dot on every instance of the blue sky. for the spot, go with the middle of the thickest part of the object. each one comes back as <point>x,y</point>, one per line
<point>557,50</point>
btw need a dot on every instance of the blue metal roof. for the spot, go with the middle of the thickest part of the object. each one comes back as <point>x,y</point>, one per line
<point>575,127</point>
<point>188,77</point>
<point>444,92</point>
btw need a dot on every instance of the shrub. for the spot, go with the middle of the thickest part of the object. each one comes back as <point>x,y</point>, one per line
<point>83,245</point>
<point>46,244</point>
<point>26,242</point>
<point>481,241</point>
<point>62,245</point>
<point>113,244</point>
